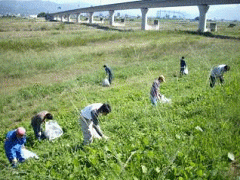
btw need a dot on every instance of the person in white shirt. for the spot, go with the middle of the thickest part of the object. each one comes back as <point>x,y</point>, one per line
<point>218,72</point>
<point>90,123</point>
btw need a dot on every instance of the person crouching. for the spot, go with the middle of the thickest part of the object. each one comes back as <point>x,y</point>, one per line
<point>13,145</point>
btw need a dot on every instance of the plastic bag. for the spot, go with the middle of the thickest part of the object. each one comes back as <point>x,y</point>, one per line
<point>164,99</point>
<point>26,154</point>
<point>185,71</point>
<point>94,132</point>
<point>53,130</point>
<point>106,82</point>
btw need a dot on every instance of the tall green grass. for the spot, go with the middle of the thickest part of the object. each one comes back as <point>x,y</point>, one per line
<point>146,142</point>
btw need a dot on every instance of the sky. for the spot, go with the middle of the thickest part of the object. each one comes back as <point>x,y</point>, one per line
<point>228,12</point>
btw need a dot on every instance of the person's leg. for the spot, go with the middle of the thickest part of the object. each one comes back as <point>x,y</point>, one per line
<point>110,78</point>
<point>181,71</point>
<point>43,135</point>
<point>37,132</point>
<point>10,155</point>
<point>87,136</point>
<point>221,79</point>
<point>153,100</point>
<point>20,157</point>
<point>212,81</point>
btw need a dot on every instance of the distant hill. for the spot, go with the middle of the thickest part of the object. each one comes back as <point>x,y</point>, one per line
<point>35,7</point>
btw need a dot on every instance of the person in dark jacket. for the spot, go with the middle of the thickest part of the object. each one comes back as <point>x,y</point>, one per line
<point>37,121</point>
<point>109,73</point>
<point>13,145</point>
<point>183,66</point>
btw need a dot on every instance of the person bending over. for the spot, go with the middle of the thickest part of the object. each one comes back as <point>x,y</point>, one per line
<point>90,123</point>
<point>37,121</point>
<point>217,72</point>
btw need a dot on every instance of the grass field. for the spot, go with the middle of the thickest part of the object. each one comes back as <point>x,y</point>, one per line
<point>59,67</point>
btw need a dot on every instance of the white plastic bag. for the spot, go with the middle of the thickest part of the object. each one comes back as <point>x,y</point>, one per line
<point>52,130</point>
<point>185,71</point>
<point>26,154</point>
<point>94,132</point>
<point>106,82</point>
<point>164,99</point>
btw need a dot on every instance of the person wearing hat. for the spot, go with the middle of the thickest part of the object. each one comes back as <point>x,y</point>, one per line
<point>183,65</point>
<point>37,121</point>
<point>217,72</point>
<point>13,145</point>
<point>155,94</point>
<point>90,123</point>
<point>109,73</point>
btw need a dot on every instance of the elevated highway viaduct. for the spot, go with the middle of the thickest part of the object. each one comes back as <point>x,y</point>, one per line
<point>144,5</point>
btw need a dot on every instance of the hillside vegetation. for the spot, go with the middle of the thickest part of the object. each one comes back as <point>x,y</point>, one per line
<point>59,67</point>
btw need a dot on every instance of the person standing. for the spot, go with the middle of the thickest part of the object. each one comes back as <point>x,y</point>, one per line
<point>90,123</point>
<point>217,72</point>
<point>155,94</point>
<point>13,145</point>
<point>37,121</point>
<point>183,66</point>
<point>109,73</point>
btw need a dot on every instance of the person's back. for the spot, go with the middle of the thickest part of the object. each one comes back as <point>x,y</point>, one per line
<point>155,88</point>
<point>218,71</point>
<point>13,141</point>
<point>86,112</point>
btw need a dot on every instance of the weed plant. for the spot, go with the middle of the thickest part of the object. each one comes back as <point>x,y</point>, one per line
<point>62,71</point>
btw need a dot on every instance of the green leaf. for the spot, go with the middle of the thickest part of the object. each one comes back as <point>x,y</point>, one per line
<point>200,173</point>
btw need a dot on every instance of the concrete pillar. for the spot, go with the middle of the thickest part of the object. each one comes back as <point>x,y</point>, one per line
<point>78,18</point>
<point>203,18</point>
<point>213,27</point>
<point>68,18</point>
<point>91,17</point>
<point>144,18</point>
<point>111,18</point>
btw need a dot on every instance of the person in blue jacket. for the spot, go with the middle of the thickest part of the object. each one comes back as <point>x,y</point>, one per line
<point>14,142</point>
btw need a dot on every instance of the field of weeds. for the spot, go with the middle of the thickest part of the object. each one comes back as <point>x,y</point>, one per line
<point>59,67</point>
